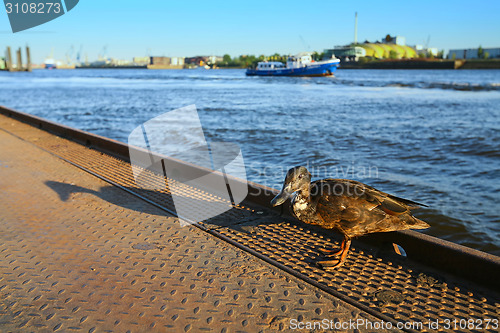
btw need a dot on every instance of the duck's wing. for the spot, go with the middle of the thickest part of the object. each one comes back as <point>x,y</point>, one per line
<point>356,208</point>
<point>393,204</point>
<point>392,199</point>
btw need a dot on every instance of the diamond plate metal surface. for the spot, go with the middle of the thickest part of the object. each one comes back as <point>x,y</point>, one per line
<point>77,254</point>
<point>371,278</point>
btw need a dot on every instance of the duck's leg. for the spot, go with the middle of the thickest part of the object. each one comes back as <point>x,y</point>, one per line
<point>332,264</point>
<point>329,252</point>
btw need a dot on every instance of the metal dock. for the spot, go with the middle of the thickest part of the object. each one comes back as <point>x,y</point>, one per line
<point>83,249</point>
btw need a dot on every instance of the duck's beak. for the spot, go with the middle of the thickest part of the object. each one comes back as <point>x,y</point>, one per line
<point>285,193</point>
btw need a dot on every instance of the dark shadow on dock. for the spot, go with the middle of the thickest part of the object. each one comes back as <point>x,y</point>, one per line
<point>234,216</point>
<point>246,218</point>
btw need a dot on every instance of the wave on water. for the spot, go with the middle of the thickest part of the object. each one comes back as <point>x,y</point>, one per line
<point>461,81</point>
<point>459,86</point>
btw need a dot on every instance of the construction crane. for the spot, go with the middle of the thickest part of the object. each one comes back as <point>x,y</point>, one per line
<point>308,48</point>
<point>104,51</point>
<point>69,55</point>
<point>79,54</point>
<point>426,45</point>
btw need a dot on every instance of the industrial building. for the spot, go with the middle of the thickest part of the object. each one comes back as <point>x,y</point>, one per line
<point>383,51</point>
<point>141,60</point>
<point>486,53</point>
<point>345,53</point>
<point>166,63</point>
<point>202,61</point>
<point>391,47</point>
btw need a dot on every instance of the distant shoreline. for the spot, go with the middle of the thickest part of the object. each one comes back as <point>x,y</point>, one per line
<point>375,64</point>
<point>423,64</point>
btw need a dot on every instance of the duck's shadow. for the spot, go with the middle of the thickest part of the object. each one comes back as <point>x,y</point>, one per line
<point>255,221</point>
<point>237,217</point>
<point>109,194</point>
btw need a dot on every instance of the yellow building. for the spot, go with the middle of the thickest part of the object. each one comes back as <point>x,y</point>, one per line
<point>384,51</point>
<point>373,50</point>
<point>410,52</point>
<point>387,50</point>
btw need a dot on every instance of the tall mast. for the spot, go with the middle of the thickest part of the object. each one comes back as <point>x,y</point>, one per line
<point>356,28</point>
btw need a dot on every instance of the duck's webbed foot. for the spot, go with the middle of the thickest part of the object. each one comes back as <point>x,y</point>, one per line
<point>329,252</point>
<point>332,264</point>
<point>329,265</point>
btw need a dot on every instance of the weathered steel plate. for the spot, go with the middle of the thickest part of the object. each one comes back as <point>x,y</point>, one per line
<point>79,255</point>
<point>375,280</point>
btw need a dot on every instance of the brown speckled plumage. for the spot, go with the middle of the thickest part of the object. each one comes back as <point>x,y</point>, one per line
<point>350,207</point>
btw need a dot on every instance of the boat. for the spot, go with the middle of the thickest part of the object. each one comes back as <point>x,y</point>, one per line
<point>299,65</point>
<point>50,63</point>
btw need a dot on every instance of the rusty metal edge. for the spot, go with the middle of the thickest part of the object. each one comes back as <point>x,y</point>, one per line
<point>458,260</point>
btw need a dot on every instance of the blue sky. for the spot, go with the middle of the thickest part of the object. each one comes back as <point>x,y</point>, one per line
<point>188,28</point>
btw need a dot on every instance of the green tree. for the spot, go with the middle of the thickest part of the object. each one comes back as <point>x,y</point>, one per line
<point>317,56</point>
<point>486,55</point>
<point>226,58</point>
<point>480,52</point>
<point>393,54</point>
<point>364,60</point>
<point>275,57</point>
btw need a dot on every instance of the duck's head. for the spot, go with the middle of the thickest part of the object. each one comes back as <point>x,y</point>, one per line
<point>296,179</point>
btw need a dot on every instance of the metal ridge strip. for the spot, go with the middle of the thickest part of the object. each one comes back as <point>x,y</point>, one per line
<point>461,261</point>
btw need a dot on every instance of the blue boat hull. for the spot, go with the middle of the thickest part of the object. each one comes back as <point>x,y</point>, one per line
<point>314,69</point>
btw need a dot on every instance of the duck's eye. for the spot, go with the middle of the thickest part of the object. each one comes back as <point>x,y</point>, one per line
<point>300,176</point>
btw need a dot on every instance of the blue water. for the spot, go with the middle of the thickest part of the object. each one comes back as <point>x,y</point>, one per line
<point>429,136</point>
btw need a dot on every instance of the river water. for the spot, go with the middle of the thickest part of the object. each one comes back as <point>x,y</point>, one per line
<point>429,136</point>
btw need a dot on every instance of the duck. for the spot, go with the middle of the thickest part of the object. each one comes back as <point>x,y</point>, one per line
<point>347,206</point>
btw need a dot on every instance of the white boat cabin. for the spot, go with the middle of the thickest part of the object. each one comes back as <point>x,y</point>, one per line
<point>298,61</point>
<point>266,65</point>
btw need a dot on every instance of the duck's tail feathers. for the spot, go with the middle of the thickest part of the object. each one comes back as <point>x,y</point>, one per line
<point>413,223</point>
<point>410,203</point>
